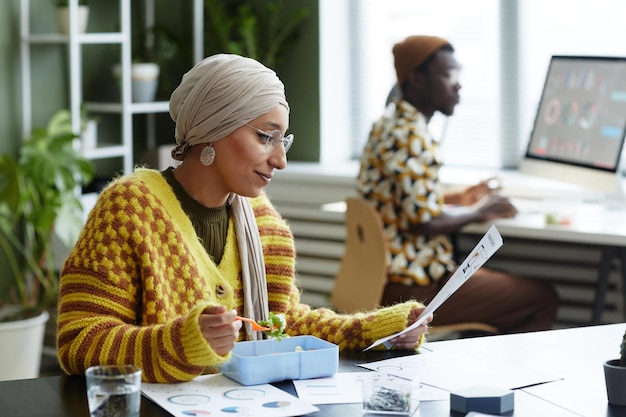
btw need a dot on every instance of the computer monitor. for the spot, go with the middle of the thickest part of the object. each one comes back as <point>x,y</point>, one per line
<point>580,123</point>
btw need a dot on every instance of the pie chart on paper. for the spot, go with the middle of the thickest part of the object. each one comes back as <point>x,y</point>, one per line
<point>277,404</point>
<point>235,410</point>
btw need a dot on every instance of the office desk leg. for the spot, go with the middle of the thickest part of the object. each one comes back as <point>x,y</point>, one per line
<point>608,254</point>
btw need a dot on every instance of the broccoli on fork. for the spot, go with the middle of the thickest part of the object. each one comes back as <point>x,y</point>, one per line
<point>277,324</point>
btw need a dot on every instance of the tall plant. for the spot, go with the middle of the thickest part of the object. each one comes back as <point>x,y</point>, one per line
<point>264,33</point>
<point>38,199</point>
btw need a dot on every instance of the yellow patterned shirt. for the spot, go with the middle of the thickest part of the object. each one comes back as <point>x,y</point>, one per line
<point>138,278</point>
<point>399,174</point>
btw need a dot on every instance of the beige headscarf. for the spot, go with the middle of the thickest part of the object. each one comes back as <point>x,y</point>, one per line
<point>217,96</point>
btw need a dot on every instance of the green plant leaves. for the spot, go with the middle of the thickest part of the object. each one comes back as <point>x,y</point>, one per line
<point>262,33</point>
<point>38,194</point>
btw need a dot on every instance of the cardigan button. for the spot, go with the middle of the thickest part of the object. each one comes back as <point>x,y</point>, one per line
<point>220,291</point>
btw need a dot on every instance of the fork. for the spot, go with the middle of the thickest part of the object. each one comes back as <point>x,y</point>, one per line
<point>255,326</point>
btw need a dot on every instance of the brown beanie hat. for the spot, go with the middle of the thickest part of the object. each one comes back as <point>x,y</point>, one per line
<point>412,52</point>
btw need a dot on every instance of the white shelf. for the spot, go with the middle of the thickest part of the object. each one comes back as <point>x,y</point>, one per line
<point>134,108</point>
<point>81,38</point>
<point>74,42</point>
<point>104,151</point>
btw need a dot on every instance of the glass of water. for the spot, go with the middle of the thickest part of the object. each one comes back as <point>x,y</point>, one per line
<point>114,390</point>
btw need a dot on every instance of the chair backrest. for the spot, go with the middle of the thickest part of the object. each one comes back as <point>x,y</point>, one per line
<point>362,275</point>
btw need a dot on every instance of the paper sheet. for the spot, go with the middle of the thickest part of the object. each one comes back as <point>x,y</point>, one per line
<point>455,370</point>
<point>485,248</point>
<point>211,394</point>
<point>341,388</point>
<point>346,387</point>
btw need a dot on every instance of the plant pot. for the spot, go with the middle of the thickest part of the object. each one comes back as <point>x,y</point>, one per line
<point>615,379</point>
<point>89,136</point>
<point>144,80</point>
<point>21,347</point>
<point>63,18</point>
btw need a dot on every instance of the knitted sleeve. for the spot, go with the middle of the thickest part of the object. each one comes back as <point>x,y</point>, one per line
<point>355,331</point>
<point>129,289</point>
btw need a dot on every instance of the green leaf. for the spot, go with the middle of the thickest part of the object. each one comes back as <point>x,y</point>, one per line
<point>38,194</point>
<point>277,325</point>
<point>262,33</point>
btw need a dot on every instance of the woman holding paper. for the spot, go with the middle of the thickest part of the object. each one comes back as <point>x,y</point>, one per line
<point>168,260</point>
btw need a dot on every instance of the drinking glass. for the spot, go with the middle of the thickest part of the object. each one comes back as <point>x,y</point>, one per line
<point>114,390</point>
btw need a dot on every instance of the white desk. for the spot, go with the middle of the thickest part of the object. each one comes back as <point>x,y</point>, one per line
<point>595,223</point>
<point>576,354</point>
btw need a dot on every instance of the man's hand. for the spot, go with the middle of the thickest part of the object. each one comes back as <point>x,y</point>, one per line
<point>497,207</point>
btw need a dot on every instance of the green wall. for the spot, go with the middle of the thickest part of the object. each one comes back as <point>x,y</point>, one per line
<point>299,73</point>
<point>10,101</point>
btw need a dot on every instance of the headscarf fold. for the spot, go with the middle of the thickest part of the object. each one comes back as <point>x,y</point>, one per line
<point>217,96</point>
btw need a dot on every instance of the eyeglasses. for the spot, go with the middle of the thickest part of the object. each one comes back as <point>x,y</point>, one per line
<point>273,139</point>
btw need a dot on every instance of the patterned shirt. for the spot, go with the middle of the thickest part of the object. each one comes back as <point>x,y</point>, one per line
<point>399,175</point>
<point>138,278</point>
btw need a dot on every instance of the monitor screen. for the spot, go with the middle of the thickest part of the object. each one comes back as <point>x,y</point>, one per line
<point>580,123</point>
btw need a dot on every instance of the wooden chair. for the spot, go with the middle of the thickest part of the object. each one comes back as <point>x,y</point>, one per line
<point>362,274</point>
<point>360,281</point>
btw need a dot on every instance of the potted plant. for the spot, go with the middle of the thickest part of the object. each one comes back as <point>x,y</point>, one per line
<point>62,10</point>
<point>38,203</point>
<point>152,49</point>
<point>88,128</point>
<point>263,33</point>
<point>615,377</point>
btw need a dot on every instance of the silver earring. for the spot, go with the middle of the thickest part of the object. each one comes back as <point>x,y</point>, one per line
<point>207,156</point>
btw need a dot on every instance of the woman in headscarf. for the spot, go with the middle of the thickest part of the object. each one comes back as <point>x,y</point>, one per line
<point>167,260</point>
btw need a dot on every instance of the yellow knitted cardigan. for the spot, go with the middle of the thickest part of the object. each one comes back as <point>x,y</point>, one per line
<point>138,278</point>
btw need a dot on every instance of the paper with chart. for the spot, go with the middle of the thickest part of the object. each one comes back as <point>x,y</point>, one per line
<point>487,246</point>
<point>219,395</point>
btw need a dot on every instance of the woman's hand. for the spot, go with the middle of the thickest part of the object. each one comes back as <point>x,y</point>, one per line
<point>410,339</point>
<point>220,328</point>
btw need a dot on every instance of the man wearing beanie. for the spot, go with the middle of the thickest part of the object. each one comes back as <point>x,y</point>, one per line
<point>399,175</point>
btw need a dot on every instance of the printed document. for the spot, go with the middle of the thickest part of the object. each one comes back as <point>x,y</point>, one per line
<point>487,246</point>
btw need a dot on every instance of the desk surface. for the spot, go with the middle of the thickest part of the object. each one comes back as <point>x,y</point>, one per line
<point>577,354</point>
<point>592,223</point>
<point>596,220</point>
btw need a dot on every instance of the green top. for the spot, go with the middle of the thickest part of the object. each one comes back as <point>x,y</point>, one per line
<point>210,224</point>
